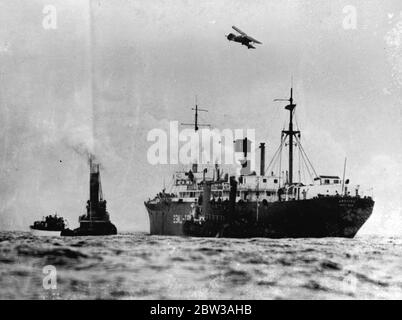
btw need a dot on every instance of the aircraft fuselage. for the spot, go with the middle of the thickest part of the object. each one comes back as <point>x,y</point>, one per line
<point>240,39</point>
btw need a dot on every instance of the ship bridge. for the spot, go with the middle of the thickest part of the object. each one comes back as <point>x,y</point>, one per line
<point>325,180</point>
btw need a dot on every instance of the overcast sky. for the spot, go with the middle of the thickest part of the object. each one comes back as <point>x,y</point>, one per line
<point>148,59</point>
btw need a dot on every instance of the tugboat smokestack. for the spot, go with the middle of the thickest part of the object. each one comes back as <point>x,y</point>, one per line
<point>94,188</point>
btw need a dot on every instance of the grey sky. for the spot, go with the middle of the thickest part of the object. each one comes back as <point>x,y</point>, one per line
<point>150,58</point>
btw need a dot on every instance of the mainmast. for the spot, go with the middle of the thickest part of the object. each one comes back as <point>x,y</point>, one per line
<point>290,132</point>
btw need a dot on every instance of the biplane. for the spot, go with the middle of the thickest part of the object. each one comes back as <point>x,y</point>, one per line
<point>243,38</point>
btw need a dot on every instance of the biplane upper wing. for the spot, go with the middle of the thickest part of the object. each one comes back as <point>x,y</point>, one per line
<point>239,31</point>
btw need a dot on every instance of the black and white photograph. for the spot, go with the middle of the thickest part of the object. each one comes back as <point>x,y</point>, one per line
<point>200,151</point>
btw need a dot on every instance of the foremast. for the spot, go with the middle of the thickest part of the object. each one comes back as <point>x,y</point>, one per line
<point>290,133</point>
<point>196,125</point>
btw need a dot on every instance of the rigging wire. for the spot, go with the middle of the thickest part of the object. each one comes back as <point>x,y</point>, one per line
<point>302,149</point>
<point>274,157</point>
<point>299,167</point>
<point>307,161</point>
<point>307,168</point>
<point>280,160</point>
<point>304,172</point>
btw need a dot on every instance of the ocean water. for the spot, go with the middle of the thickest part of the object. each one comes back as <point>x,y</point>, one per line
<point>140,266</point>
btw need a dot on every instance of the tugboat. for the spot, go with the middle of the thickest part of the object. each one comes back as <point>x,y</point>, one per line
<point>270,205</point>
<point>50,225</point>
<point>96,221</point>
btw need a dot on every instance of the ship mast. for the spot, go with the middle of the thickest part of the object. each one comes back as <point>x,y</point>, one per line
<point>196,124</point>
<point>290,133</point>
<point>294,139</point>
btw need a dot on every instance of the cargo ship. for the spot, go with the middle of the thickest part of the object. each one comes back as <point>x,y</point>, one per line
<point>272,205</point>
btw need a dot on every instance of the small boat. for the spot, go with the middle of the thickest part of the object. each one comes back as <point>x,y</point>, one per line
<point>51,225</point>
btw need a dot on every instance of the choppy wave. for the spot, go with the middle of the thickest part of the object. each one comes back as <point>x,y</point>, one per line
<point>139,266</point>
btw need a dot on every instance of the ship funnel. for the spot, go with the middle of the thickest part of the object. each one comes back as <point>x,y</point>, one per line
<point>96,205</point>
<point>206,197</point>
<point>232,198</point>
<point>218,176</point>
<point>94,188</point>
<point>262,160</point>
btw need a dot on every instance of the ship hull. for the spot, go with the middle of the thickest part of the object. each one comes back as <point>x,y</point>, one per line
<point>45,233</point>
<point>167,218</point>
<point>91,228</point>
<point>313,218</point>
